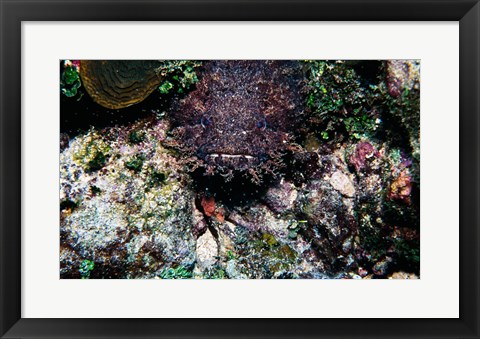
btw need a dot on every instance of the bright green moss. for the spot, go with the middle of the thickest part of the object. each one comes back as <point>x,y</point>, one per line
<point>339,100</point>
<point>216,272</point>
<point>179,75</point>
<point>86,267</point>
<point>70,81</point>
<point>179,272</point>
<point>230,255</point>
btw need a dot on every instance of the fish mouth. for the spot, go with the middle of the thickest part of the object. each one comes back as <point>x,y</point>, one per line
<point>232,161</point>
<point>230,156</point>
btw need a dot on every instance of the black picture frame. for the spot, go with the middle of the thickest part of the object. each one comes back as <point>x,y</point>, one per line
<point>13,12</point>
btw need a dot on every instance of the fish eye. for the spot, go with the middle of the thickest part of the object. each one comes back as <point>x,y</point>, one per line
<point>262,124</point>
<point>206,121</point>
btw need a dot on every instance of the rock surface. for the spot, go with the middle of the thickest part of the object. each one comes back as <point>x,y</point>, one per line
<point>207,250</point>
<point>129,213</point>
<point>342,183</point>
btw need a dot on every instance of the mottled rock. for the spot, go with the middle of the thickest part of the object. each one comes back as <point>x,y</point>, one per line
<point>331,221</point>
<point>401,75</point>
<point>64,140</point>
<point>226,247</point>
<point>363,155</point>
<point>401,187</point>
<point>97,225</point>
<point>260,218</point>
<point>233,272</point>
<point>403,275</point>
<point>129,221</point>
<point>206,250</point>
<point>199,223</point>
<point>281,198</point>
<point>325,208</point>
<point>342,183</point>
<point>362,272</point>
<point>381,267</point>
<point>406,233</point>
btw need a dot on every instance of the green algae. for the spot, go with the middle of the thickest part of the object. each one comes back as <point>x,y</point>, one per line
<point>156,178</point>
<point>136,163</point>
<point>261,255</point>
<point>269,240</point>
<point>215,272</point>
<point>179,76</point>
<point>340,102</point>
<point>86,267</point>
<point>70,81</point>
<point>135,137</point>
<point>344,102</point>
<point>179,272</point>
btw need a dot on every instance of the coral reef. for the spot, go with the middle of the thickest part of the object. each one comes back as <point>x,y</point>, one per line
<point>130,220</point>
<point>324,183</point>
<point>119,83</point>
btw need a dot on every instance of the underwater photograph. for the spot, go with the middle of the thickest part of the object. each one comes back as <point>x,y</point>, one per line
<point>239,169</point>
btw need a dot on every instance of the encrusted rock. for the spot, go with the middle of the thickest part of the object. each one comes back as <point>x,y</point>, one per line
<point>381,267</point>
<point>363,156</point>
<point>324,207</point>
<point>403,275</point>
<point>64,140</point>
<point>401,187</point>
<point>342,183</point>
<point>199,223</point>
<point>207,250</point>
<point>281,197</point>
<point>129,219</point>
<point>401,75</point>
<point>331,221</point>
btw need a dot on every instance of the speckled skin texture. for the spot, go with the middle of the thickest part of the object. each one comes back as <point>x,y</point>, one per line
<point>240,117</point>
